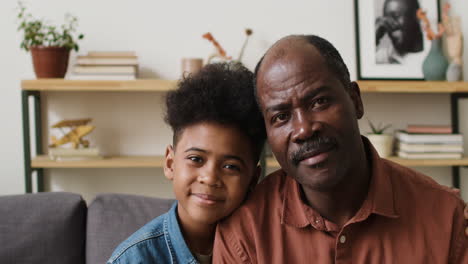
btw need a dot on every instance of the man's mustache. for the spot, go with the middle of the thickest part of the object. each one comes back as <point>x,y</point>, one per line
<point>311,147</point>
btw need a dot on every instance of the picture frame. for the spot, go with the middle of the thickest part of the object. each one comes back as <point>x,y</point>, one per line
<point>391,44</point>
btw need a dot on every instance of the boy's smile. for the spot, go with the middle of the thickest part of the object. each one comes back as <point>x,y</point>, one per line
<point>212,167</point>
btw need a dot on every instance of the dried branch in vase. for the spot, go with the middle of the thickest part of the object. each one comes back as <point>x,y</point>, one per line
<point>220,52</point>
<point>248,33</point>
<point>430,34</point>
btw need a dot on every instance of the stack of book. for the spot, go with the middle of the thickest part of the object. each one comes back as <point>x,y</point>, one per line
<point>429,142</point>
<point>106,65</point>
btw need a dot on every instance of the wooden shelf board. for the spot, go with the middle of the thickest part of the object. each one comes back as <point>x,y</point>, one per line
<point>143,85</point>
<point>272,163</point>
<point>412,87</point>
<point>157,85</point>
<point>43,161</point>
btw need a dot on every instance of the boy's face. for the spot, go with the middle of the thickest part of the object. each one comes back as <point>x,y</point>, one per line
<point>212,167</point>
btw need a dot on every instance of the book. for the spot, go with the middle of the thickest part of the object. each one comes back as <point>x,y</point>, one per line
<point>429,129</point>
<point>111,54</point>
<point>418,148</point>
<point>429,155</point>
<point>93,69</point>
<point>429,138</point>
<point>87,60</point>
<point>110,77</point>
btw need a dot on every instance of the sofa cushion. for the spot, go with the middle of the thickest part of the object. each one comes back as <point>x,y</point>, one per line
<point>42,228</point>
<point>114,217</point>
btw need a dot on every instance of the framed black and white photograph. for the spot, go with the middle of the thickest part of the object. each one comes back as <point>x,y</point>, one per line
<point>390,41</point>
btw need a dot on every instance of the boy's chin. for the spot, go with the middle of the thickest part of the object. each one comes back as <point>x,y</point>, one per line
<point>208,218</point>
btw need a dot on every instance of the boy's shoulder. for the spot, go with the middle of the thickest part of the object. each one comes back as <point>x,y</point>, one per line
<point>159,241</point>
<point>145,242</point>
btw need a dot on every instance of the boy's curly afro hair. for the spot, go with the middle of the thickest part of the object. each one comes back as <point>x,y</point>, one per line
<point>221,93</point>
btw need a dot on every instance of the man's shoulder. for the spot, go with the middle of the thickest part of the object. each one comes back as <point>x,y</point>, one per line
<point>268,191</point>
<point>265,198</point>
<point>408,183</point>
<point>142,242</point>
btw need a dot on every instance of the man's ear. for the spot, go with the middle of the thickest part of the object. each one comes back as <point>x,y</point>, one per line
<point>355,94</point>
<point>169,163</point>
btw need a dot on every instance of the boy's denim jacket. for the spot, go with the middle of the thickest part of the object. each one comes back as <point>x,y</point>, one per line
<point>159,241</point>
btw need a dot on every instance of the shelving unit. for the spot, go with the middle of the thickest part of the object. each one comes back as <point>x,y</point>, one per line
<point>34,88</point>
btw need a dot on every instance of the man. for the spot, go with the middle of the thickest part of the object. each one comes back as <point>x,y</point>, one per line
<point>398,31</point>
<point>335,200</point>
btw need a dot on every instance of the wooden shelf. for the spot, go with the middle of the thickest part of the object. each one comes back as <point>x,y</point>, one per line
<point>143,85</point>
<point>156,85</point>
<point>413,87</point>
<point>272,163</point>
<point>44,161</point>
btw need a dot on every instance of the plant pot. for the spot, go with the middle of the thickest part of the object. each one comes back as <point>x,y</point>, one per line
<point>382,143</point>
<point>50,62</point>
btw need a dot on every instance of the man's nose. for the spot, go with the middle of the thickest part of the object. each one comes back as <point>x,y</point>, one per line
<point>304,127</point>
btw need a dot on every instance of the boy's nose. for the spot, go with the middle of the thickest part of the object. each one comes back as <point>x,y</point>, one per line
<point>209,177</point>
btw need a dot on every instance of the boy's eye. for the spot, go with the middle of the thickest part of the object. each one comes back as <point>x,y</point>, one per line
<point>195,159</point>
<point>232,167</point>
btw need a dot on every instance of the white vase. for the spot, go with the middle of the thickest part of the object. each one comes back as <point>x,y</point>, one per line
<point>382,143</point>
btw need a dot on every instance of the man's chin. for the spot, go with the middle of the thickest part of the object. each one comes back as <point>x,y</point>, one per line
<point>320,177</point>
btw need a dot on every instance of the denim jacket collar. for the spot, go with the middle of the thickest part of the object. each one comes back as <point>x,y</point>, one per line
<point>175,240</point>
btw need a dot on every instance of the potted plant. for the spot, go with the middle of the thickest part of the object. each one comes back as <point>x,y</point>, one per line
<point>383,143</point>
<point>49,45</point>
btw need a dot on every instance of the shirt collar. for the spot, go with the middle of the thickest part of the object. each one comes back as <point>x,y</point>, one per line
<point>174,238</point>
<point>380,198</point>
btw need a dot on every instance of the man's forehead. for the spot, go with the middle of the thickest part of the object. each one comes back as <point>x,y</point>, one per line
<point>291,57</point>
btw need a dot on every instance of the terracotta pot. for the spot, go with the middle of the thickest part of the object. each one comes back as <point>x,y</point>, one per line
<point>50,62</point>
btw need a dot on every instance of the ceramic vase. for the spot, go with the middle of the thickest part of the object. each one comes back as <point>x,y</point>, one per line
<point>454,72</point>
<point>383,143</point>
<point>435,64</point>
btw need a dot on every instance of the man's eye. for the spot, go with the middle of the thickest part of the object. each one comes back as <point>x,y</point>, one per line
<point>320,102</point>
<point>280,117</point>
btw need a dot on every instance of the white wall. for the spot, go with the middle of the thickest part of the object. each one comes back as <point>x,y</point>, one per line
<point>162,32</point>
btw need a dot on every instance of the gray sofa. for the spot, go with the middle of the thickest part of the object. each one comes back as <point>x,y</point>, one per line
<point>60,228</point>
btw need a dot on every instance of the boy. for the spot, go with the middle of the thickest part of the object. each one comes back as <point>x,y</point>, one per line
<point>217,143</point>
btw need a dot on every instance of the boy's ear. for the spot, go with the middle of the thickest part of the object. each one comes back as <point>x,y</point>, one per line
<point>169,163</point>
<point>253,182</point>
<point>255,178</point>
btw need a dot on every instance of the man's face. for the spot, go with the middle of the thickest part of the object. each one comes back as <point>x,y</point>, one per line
<point>398,12</point>
<point>211,168</point>
<point>311,120</point>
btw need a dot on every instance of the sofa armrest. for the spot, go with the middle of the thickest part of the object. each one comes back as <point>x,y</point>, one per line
<point>42,228</point>
<point>114,217</point>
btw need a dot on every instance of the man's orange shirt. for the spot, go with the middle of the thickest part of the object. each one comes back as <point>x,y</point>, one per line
<point>406,218</point>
